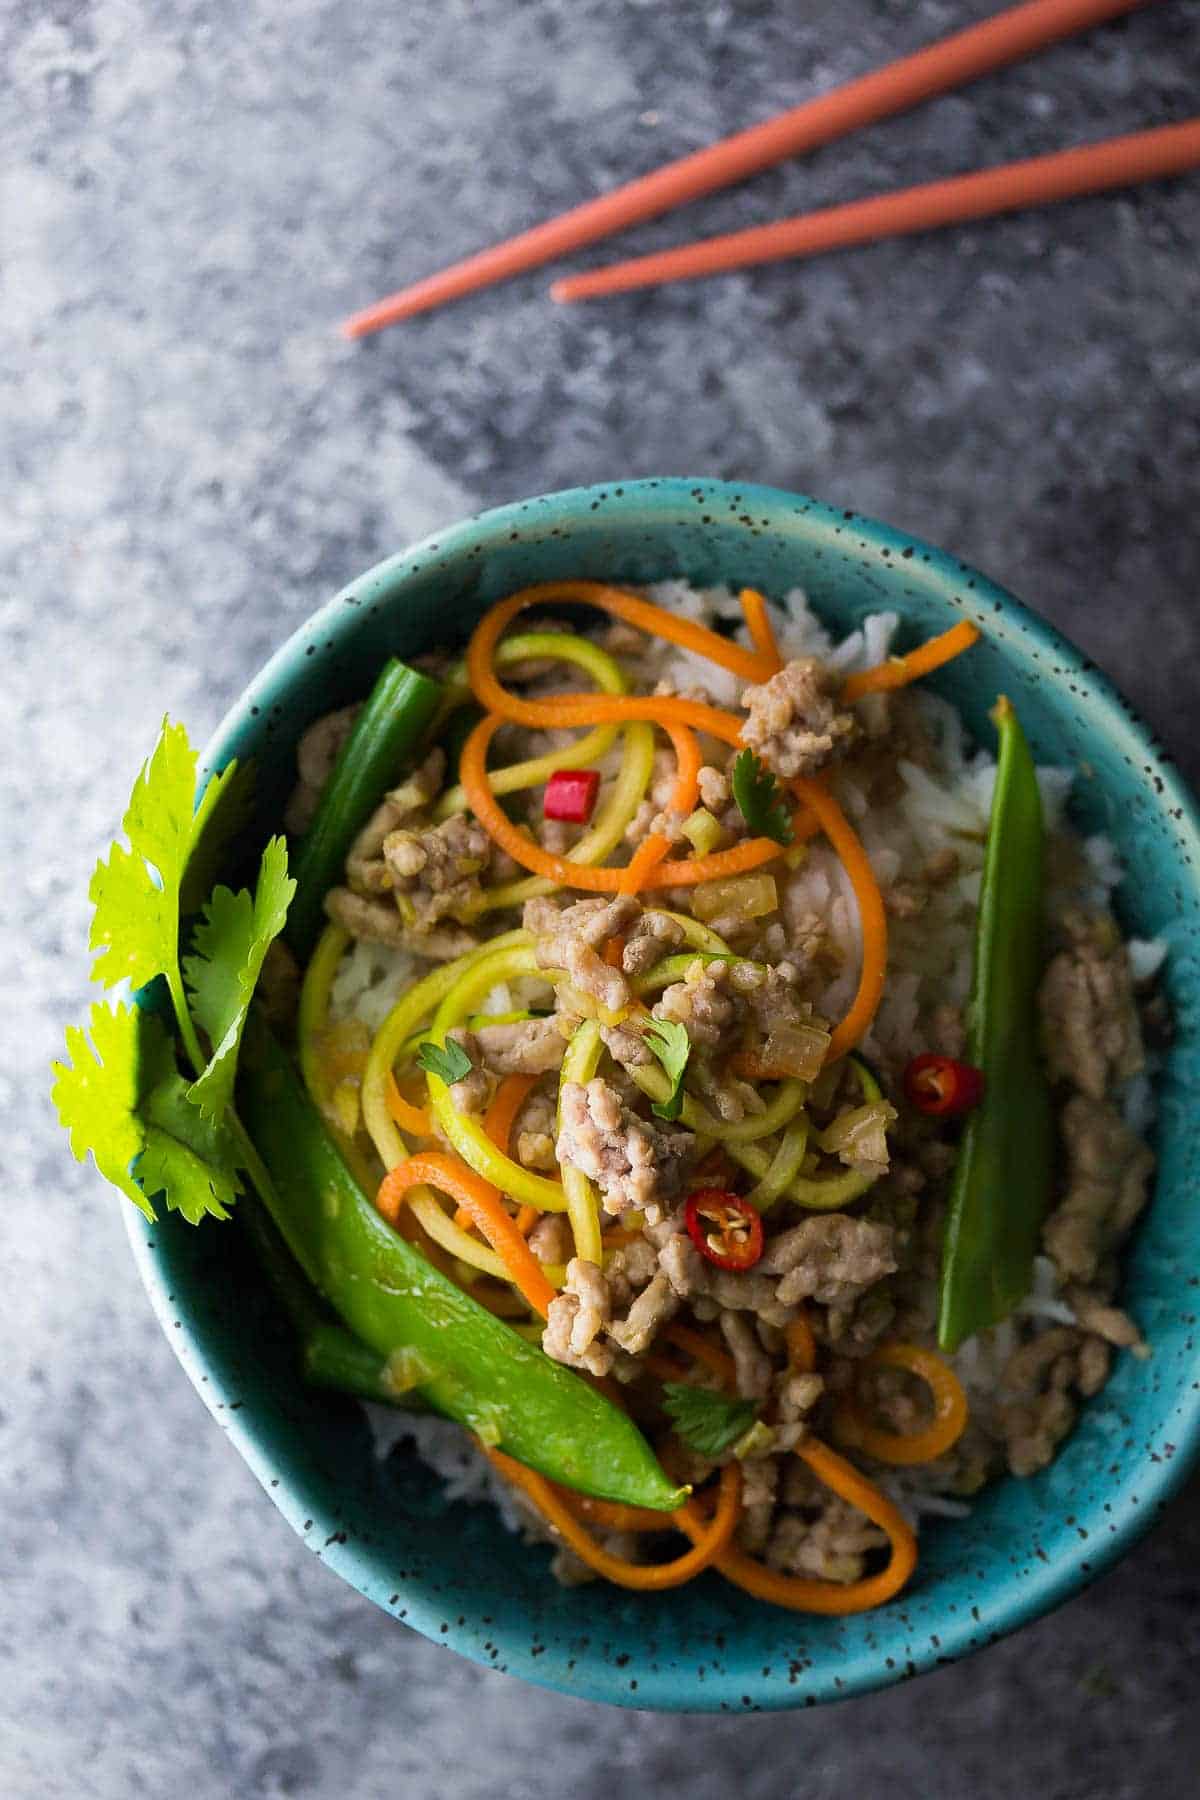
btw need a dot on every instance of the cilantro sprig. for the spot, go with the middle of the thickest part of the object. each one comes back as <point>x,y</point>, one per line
<point>707,1423</point>
<point>450,1064</point>
<point>669,1041</point>
<point>122,1096</point>
<point>759,799</point>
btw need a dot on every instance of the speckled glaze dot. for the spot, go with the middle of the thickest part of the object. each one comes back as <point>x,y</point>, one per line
<point>1027,1545</point>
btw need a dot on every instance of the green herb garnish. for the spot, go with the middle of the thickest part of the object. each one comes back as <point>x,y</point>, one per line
<point>449,1064</point>
<point>708,1423</point>
<point>759,799</point>
<point>122,1096</point>
<point>669,1041</point>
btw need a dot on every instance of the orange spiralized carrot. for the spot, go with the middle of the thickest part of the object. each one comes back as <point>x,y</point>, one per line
<point>655,621</point>
<point>801,1344</point>
<point>800,1594</point>
<point>527,1218</point>
<point>758,621</point>
<point>872,918</point>
<point>613,952</point>
<point>645,859</point>
<point>709,1536</point>
<point>739,860</point>
<point>413,1119</point>
<point>688,763</point>
<point>903,1449</point>
<point>697,1346</point>
<point>434,1168</point>
<point>507,1102</point>
<point>899,671</point>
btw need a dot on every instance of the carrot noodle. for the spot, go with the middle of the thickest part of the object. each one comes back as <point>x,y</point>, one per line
<point>898,671</point>
<point>799,1593</point>
<point>872,919</point>
<point>950,1411</point>
<point>614,1515</point>
<point>758,622</point>
<point>697,1346</point>
<point>643,614</point>
<point>527,1218</point>
<point>413,1119</point>
<point>801,1344</point>
<point>645,858</point>
<point>613,1240</point>
<point>688,763</point>
<point>434,1168</point>
<point>507,1102</point>
<point>520,846</point>
<point>709,1536</point>
<point>614,951</point>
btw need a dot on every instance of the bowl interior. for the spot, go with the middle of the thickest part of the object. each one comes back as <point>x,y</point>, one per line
<point>452,1571</point>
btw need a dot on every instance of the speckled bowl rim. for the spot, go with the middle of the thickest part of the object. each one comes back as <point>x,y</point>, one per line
<point>1010,1602</point>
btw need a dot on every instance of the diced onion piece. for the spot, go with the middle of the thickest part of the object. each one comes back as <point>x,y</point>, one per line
<point>742,896</point>
<point>798,1050</point>
<point>703,832</point>
<point>859,1137</point>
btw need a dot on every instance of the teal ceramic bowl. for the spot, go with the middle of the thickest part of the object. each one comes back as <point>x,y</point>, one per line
<point>452,1572</point>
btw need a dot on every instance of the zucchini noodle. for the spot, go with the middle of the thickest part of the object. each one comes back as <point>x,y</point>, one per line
<point>314,1010</point>
<point>778,1112</point>
<point>580,1064</point>
<point>607,829</point>
<point>566,647</point>
<point>410,1012</point>
<point>783,1168</point>
<point>463,1131</point>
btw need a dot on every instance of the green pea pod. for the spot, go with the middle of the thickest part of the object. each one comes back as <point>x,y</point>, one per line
<point>1002,1178</point>
<point>470,1365</point>
<point>386,734</point>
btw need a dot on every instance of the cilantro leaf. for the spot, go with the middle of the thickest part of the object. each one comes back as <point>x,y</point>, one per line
<point>231,942</point>
<point>122,1098</point>
<point>708,1423</point>
<point>96,1094</point>
<point>759,799</point>
<point>669,1041</point>
<point>449,1065</point>
<point>135,893</point>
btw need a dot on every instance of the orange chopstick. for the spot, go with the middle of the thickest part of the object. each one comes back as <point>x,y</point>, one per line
<point>950,63</point>
<point>1116,162</point>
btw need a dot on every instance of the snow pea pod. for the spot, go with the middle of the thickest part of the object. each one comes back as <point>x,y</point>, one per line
<point>386,734</point>
<point>468,1364</point>
<point>1002,1177</point>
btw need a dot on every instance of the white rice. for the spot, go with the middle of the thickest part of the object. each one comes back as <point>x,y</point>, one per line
<point>945,807</point>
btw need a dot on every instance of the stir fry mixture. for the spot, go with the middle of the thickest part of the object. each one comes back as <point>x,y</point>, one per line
<point>724,1087</point>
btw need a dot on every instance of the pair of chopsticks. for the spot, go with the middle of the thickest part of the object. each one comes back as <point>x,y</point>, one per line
<point>995,43</point>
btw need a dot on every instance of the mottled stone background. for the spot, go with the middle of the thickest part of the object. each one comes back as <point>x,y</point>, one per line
<point>191,193</point>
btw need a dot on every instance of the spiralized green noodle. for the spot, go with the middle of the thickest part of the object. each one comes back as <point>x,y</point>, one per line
<point>465,1133</point>
<point>579,1065</point>
<point>410,1012</point>
<point>588,749</point>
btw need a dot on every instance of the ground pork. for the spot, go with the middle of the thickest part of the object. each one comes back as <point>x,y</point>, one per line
<point>1096,1314</point>
<point>1108,1175</point>
<point>652,937</point>
<point>550,1240</point>
<point>751,1363</point>
<point>702,1002</point>
<point>1038,1378</point>
<point>630,1268</point>
<point>648,1313</point>
<point>831,1258</point>
<point>316,754</point>
<point>436,871</point>
<point>633,1162</point>
<point>818,1533</point>
<point>571,940</point>
<point>522,1047</point>
<point>760,1483</point>
<point>1091,1034</point>
<point>712,1291</point>
<point>576,1319</point>
<point>377,921</point>
<point>794,723</point>
<point>366,870</point>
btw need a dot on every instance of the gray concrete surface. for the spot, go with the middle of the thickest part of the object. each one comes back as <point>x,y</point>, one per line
<point>191,193</point>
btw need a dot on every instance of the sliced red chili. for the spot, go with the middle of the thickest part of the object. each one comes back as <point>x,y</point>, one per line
<point>571,795</point>
<point>942,1086</point>
<point>725,1229</point>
